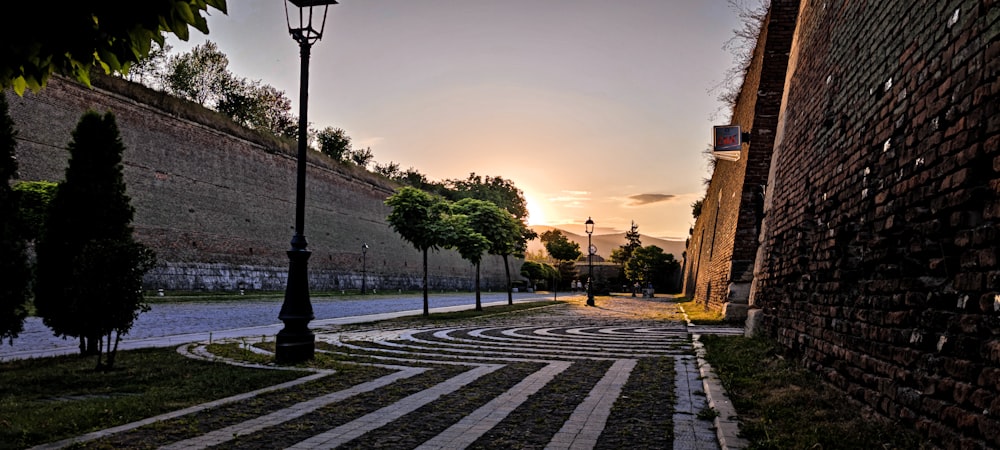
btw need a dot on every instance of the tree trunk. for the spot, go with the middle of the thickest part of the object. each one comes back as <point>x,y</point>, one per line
<point>510,294</point>
<point>479,302</point>
<point>427,311</point>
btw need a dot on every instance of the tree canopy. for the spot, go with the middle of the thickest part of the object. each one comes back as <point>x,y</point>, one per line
<point>418,218</point>
<point>108,35</point>
<point>559,247</point>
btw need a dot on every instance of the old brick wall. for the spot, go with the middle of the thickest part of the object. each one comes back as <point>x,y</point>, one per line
<point>878,264</point>
<point>723,244</point>
<point>217,202</point>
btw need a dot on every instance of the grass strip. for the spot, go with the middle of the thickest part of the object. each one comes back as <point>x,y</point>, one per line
<point>430,420</point>
<point>332,416</point>
<point>48,399</point>
<point>782,405</point>
<point>642,417</point>
<point>192,425</point>
<point>536,421</point>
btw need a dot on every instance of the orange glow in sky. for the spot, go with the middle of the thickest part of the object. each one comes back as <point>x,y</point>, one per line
<point>593,108</point>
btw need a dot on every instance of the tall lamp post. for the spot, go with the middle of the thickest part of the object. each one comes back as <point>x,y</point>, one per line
<point>590,262</point>
<point>295,342</point>
<point>364,273</point>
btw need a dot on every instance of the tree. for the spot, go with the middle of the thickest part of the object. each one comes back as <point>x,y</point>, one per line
<point>33,199</point>
<point>362,156</point>
<point>151,70</point>
<point>649,265</point>
<point>499,227</point>
<point>16,287</point>
<point>534,271</point>
<point>256,105</point>
<point>418,217</point>
<point>389,170</point>
<point>562,250</point>
<point>495,190</point>
<point>84,35</point>
<point>335,143</point>
<point>200,75</point>
<point>462,236</point>
<point>559,247</point>
<point>89,269</point>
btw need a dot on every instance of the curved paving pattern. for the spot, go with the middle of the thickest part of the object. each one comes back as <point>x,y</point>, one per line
<point>597,358</point>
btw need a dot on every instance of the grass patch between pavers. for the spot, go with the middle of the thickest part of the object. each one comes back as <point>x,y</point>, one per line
<point>440,317</point>
<point>698,315</point>
<point>48,399</point>
<point>782,405</point>
<point>537,420</point>
<point>642,417</point>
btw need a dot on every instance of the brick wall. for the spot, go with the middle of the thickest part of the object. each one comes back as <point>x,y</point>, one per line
<point>217,201</point>
<point>723,243</point>
<point>878,264</point>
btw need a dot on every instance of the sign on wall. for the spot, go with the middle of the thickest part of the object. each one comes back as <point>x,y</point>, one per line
<point>727,142</point>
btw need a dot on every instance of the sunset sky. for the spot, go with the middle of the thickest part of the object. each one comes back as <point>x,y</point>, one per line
<point>593,108</point>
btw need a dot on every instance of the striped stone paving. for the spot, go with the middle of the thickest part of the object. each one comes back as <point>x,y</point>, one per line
<point>594,352</point>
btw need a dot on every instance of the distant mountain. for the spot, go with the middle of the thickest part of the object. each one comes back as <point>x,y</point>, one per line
<point>607,242</point>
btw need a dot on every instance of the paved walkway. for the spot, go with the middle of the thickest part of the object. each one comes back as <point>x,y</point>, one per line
<point>620,334</point>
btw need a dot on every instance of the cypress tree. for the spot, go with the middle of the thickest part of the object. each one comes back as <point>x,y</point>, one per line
<point>15,289</point>
<point>89,271</point>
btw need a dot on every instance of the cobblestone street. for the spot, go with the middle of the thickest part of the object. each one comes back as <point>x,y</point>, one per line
<point>565,376</point>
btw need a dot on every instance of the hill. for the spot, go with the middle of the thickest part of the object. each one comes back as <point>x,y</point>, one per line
<point>607,242</point>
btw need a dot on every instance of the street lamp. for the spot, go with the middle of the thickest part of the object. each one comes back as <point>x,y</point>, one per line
<point>295,343</point>
<point>590,262</point>
<point>364,276</point>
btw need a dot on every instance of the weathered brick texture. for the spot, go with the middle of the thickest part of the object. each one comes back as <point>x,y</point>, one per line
<point>217,202</point>
<point>878,263</point>
<point>724,240</point>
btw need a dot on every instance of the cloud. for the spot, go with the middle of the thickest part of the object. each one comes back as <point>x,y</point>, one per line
<point>571,199</point>
<point>646,199</point>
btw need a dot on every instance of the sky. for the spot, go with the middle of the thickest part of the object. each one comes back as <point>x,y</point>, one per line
<point>593,108</point>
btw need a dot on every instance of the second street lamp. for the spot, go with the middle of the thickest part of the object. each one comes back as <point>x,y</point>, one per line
<point>364,275</point>
<point>590,262</point>
<point>295,342</point>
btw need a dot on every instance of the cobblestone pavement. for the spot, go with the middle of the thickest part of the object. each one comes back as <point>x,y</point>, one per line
<point>622,335</point>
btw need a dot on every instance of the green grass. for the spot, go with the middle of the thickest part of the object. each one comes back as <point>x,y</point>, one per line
<point>784,406</point>
<point>47,399</point>
<point>697,313</point>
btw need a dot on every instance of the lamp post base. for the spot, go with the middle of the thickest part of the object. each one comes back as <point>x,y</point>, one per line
<point>294,347</point>
<point>295,342</point>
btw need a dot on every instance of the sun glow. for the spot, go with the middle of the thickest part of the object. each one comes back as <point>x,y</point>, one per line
<point>536,215</point>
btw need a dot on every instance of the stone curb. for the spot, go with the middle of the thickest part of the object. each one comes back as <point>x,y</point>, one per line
<point>727,424</point>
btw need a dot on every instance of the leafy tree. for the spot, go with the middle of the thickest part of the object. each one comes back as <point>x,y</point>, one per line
<point>562,250</point>
<point>418,217</point>
<point>389,170</point>
<point>535,271</point>
<point>15,289</point>
<point>89,269</point>
<point>335,143</point>
<point>83,35</point>
<point>650,265</point>
<point>463,236</point>
<point>256,105</point>
<point>33,199</point>
<point>501,229</point>
<point>362,156</point>
<point>632,241</point>
<point>495,190</point>
<point>559,247</point>
<point>151,70</point>
<point>199,75</point>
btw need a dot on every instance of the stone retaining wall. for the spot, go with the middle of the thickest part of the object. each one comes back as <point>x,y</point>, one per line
<point>217,201</point>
